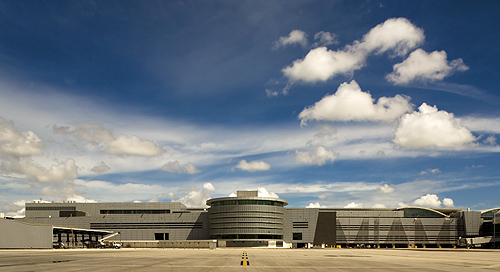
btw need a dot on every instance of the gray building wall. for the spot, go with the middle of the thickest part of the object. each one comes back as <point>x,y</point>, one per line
<point>247,220</point>
<point>300,225</point>
<point>179,223</point>
<point>14,234</point>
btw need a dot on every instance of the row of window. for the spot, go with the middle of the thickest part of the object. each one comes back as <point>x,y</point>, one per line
<point>247,202</point>
<point>181,225</point>
<point>247,236</point>
<point>135,211</point>
<point>50,208</point>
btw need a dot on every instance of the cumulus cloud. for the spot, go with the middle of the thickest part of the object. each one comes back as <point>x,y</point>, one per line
<point>253,166</point>
<point>15,209</point>
<point>79,199</point>
<point>132,145</point>
<point>198,197</point>
<point>430,128</point>
<point>18,143</point>
<point>398,35</point>
<point>60,172</point>
<point>319,155</point>
<point>386,189</point>
<point>432,201</point>
<point>97,135</point>
<point>354,205</point>
<point>295,37</point>
<point>423,66</point>
<point>100,168</point>
<point>16,153</point>
<point>315,205</point>
<point>321,64</point>
<point>378,206</point>
<point>350,103</point>
<point>323,38</point>
<point>262,192</point>
<point>448,202</point>
<point>175,167</point>
<point>428,200</point>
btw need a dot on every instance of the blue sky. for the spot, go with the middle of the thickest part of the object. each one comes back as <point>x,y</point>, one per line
<point>323,103</point>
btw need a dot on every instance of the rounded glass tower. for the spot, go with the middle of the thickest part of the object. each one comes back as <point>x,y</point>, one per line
<point>247,217</point>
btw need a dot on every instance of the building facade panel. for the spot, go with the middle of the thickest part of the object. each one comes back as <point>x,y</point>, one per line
<point>247,220</point>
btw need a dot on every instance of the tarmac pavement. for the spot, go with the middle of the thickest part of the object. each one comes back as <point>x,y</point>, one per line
<point>249,259</point>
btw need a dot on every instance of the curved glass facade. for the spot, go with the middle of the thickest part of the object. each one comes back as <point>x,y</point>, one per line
<point>245,218</point>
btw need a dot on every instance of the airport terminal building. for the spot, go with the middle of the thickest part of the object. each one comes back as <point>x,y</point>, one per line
<point>248,220</point>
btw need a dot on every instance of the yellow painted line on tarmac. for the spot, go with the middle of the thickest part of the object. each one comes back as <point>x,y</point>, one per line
<point>245,257</point>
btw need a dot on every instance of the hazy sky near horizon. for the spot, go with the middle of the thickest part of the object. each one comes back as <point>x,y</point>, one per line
<point>323,103</point>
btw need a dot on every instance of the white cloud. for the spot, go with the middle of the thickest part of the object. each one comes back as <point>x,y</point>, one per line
<point>100,168</point>
<point>324,39</point>
<point>448,202</point>
<point>57,173</point>
<point>191,168</point>
<point>486,125</point>
<point>491,140</point>
<point>431,171</point>
<point>428,200</point>
<point>18,143</point>
<point>172,167</point>
<point>315,205</point>
<point>319,155</point>
<point>132,145</point>
<point>432,200</point>
<point>353,205</point>
<point>49,190</point>
<point>386,189</point>
<point>430,128</point>
<point>424,66</point>
<point>320,64</point>
<point>378,206</point>
<point>16,152</point>
<point>322,196</point>
<point>97,135</point>
<point>396,34</point>
<point>253,166</point>
<point>175,167</point>
<point>271,93</point>
<point>262,192</point>
<point>295,37</point>
<point>350,103</point>
<point>198,197</point>
<point>79,199</point>
<point>156,198</point>
<point>15,209</point>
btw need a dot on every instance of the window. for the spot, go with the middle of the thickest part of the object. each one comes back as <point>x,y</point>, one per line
<point>166,236</point>
<point>135,211</point>
<point>159,236</point>
<point>297,236</point>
